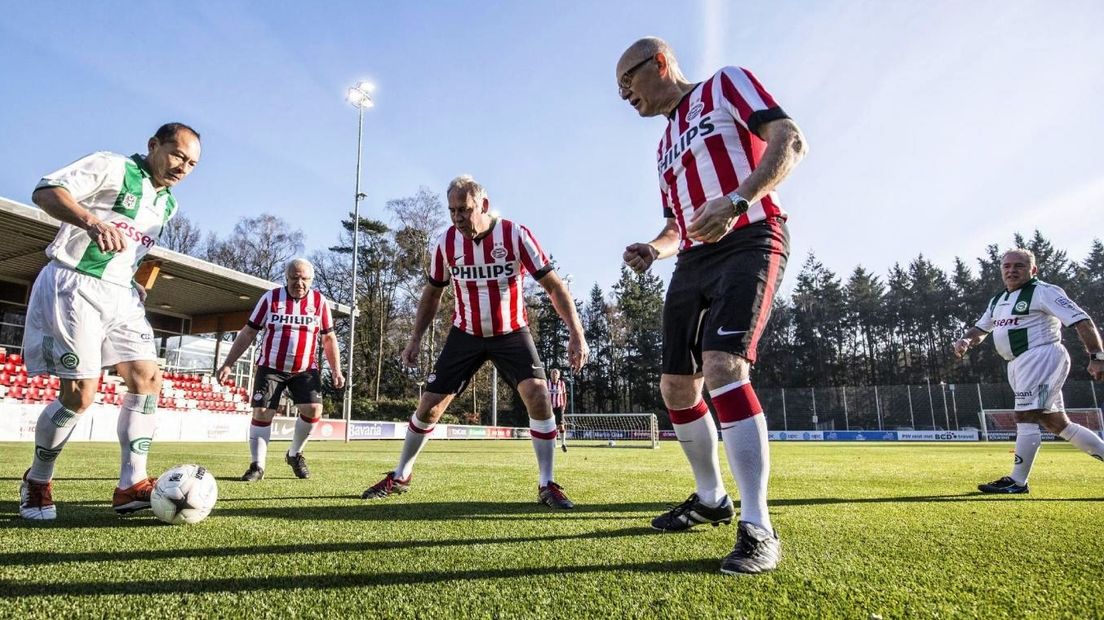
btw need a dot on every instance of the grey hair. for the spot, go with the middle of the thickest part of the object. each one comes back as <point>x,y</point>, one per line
<point>291,264</point>
<point>1022,251</point>
<point>467,186</point>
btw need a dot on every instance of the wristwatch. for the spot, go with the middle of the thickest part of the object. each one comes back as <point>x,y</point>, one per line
<point>1097,357</point>
<point>739,204</point>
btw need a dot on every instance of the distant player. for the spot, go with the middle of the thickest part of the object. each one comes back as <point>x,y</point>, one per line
<point>557,393</point>
<point>294,319</point>
<point>726,147</point>
<point>86,312</point>
<point>1025,320</point>
<point>486,258</point>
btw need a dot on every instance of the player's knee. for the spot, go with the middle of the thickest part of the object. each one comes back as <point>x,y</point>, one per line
<point>263,415</point>
<point>722,369</point>
<point>679,391</point>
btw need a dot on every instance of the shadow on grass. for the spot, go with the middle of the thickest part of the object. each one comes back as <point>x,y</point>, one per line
<point>235,585</point>
<point>76,514</point>
<point>34,558</point>
<point>959,497</point>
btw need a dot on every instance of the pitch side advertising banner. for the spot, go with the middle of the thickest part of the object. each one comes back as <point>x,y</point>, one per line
<point>937,435</point>
<point>283,428</point>
<point>860,436</point>
<point>795,436</point>
<point>18,421</point>
<point>359,429</point>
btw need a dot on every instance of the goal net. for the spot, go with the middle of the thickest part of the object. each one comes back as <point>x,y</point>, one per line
<point>1001,423</point>
<point>630,430</point>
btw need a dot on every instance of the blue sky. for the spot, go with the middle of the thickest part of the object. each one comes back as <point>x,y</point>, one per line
<point>934,127</point>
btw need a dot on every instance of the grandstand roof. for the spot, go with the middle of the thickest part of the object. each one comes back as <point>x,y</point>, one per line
<point>213,297</point>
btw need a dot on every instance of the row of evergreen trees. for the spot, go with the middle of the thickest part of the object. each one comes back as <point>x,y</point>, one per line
<point>865,330</point>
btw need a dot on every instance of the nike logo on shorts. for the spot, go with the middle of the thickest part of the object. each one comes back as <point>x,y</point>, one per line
<point>721,332</point>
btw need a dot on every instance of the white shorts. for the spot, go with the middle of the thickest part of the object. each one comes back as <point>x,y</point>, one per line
<point>77,325</point>
<point>1037,378</point>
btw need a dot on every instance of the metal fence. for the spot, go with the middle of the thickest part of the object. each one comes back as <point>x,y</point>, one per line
<point>926,406</point>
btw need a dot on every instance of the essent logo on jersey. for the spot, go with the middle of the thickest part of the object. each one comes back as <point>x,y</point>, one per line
<point>1004,322</point>
<point>483,272</point>
<point>292,319</point>
<point>704,127</point>
<point>130,232</point>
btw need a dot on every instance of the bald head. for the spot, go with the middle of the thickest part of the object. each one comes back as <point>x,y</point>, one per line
<point>642,49</point>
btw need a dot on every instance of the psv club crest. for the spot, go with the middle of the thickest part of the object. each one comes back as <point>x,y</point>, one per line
<point>499,252</point>
<point>695,110</point>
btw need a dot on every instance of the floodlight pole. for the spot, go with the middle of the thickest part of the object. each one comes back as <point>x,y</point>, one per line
<point>359,96</point>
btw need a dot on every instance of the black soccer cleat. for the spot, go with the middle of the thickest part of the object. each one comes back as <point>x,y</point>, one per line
<point>254,473</point>
<point>388,486</point>
<point>693,512</point>
<point>553,496</point>
<point>1004,485</point>
<point>757,551</point>
<point>298,465</point>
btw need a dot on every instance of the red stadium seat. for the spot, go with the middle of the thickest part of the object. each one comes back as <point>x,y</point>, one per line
<point>15,358</point>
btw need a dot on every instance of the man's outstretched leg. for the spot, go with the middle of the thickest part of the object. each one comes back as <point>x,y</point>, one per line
<point>55,426</point>
<point>137,422</point>
<point>422,423</point>
<point>697,436</point>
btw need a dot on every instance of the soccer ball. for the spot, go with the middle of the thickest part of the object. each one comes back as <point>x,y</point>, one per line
<point>612,443</point>
<point>184,494</point>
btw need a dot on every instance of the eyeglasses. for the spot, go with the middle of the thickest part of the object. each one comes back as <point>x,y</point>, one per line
<point>626,78</point>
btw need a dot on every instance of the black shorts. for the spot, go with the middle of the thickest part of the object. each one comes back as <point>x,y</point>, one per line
<point>558,413</point>
<point>269,384</point>
<point>721,294</point>
<point>514,355</point>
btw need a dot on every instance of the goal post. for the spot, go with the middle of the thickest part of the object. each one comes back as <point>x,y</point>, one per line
<point>630,430</point>
<point>1001,423</point>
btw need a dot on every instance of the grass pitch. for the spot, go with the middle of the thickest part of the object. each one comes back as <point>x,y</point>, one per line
<point>868,530</point>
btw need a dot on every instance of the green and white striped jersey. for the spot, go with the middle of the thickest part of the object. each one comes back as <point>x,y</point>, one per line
<point>1029,316</point>
<point>118,190</point>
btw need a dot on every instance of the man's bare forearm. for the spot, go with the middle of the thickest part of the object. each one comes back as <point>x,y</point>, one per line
<point>785,148</point>
<point>1089,335</point>
<point>241,343</point>
<point>60,205</point>
<point>667,241</point>
<point>428,305</point>
<point>330,350</point>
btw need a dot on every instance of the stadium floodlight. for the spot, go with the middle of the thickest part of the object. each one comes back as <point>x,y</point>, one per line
<point>361,97</point>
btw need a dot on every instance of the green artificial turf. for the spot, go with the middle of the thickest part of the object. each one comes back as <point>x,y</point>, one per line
<point>869,530</point>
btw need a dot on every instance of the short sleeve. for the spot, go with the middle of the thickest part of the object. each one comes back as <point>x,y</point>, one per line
<point>86,176</point>
<point>257,318</point>
<point>438,273</point>
<point>1055,302</point>
<point>745,98</point>
<point>532,256</point>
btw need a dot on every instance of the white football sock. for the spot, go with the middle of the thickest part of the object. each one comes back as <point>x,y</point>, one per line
<point>303,430</point>
<point>1028,440</point>
<point>1088,441</point>
<point>417,435</point>
<point>749,459</point>
<point>137,421</point>
<point>698,440</point>
<point>543,433</point>
<point>55,426</point>
<point>259,436</point>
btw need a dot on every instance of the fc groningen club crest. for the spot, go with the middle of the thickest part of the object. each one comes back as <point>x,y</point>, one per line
<point>70,360</point>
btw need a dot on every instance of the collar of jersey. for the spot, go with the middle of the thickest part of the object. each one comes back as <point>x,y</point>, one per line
<point>1031,281</point>
<point>490,230</point>
<point>671,114</point>
<point>143,167</point>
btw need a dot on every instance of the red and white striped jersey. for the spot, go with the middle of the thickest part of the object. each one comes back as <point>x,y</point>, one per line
<point>558,392</point>
<point>291,327</point>
<point>487,276</point>
<point>710,146</point>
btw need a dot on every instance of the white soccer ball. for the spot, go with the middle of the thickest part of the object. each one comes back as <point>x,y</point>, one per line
<point>612,443</point>
<point>184,494</point>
